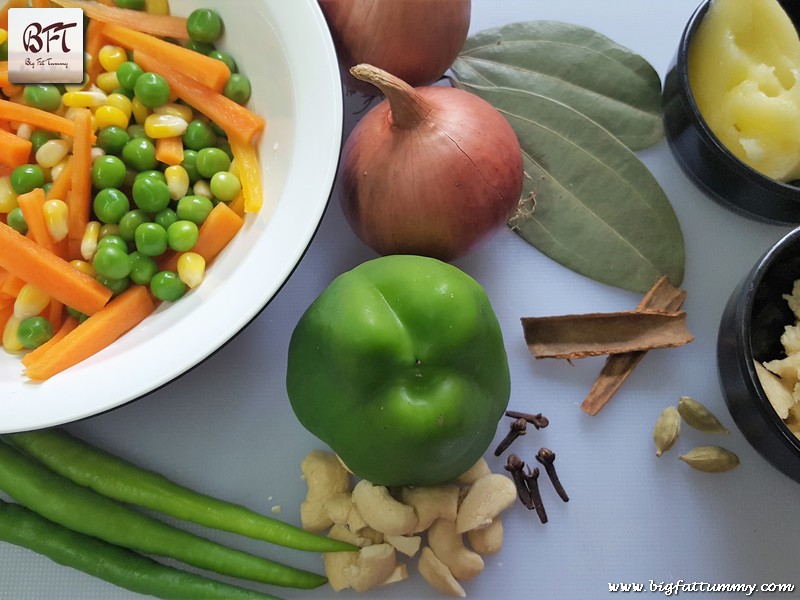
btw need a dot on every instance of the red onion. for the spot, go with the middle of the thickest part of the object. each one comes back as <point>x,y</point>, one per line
<point>415,40</point>
<point>430,170</point>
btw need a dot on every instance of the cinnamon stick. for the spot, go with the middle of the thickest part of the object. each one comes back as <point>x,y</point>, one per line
<point>618,367</point>
<point>597,334</point>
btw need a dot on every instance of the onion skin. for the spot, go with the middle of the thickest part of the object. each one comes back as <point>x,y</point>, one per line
<point>432,171</point>
<point>415,40</point>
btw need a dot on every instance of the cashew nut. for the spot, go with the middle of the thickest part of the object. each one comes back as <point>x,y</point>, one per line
<point>400,573</point>
<point>325,478</point>
<point>336,562</point>
<point>374,565</point>
<point>431,503</point>
<point>438,575</point>
<point>381,511</point>
<point>487,497</point>
<point>405,544</point>
<point>448,546</point>
<point>487,540</point>
<point>475,472</point>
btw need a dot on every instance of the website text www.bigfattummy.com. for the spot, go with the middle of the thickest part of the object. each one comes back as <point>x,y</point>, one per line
<point>673,588</point>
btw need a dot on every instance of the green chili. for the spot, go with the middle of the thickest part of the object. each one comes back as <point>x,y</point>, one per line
<point>83,510</point>
<point>121,567</point>
<point>121,480</point>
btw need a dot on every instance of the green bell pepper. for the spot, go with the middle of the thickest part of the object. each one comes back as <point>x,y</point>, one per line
<point>400,367</point>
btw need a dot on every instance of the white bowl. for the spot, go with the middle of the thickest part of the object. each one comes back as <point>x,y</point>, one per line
<point>285,48</point>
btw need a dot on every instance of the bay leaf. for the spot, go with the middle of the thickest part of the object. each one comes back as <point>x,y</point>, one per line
<point>588,202</point>
<point>575,65</point>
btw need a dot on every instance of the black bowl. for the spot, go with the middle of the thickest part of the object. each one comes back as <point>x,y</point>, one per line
<point>751,326</point>
<point>707,162</point>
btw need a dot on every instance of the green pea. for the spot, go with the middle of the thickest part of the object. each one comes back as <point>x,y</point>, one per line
<point>199,135</point>
<point>210,161</point>
<point>140,154</point>
<point>190,164</point>
<point>124,91</point>
<point>39,137</point>
<point>150,239</point>
<point>128,73</point>
<point>204,25</point>
<point>111,262</point>
<point>42,96</point>
<point>112,139</point>
<point>224,57</point>
<point>77,315</point>
<point>131,4</point>
<point>152,90</point>
<point>201,47</point>
<point>137,131</point>
<point>225,186</point>
<point>151,173</point>
<point>108,171</point>
<point>117,286</point>
<point>34,331</point>
<point>110,205</point>
<point>150,194</point>
<point>194,209</point>
<point>16,220</point>
<point>26,178</point>
<point>226,148</point>
<point>166,217</point>
<point>238,88</point>
<point>143,267</point>
<point>167,286</point>
<point>182,235</point>
<point>113,240</point>
<point>130,221</point>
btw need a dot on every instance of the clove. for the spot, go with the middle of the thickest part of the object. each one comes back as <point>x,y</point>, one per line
<point>517,429</point>
<point>539,421</point>
<point>531,480</point>
<point>547,458</point>
<point>515,466</point>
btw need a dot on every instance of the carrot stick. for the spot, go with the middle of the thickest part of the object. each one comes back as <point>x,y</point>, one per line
<point>94,41</point>
<point>60,188</point>
<point>246,156</point>
<point>55,313</point>
<point>208,71</point>
<point>97,332</point>
<point>68,325</point>
<point>31,204</point>
<point>6,7</point>
<point>51,274</point>
<point>14,111</point>
<point>158,25</point>
<point>237,204</point>
<point>6,311</point>
<point>81,185</point>
<point>169,150</point>
<point>12,285</point>
<point>14,150</point>
<point>219,228</point>
<point>40,3</point>
<point>4,73</point>
<point>237,121</point>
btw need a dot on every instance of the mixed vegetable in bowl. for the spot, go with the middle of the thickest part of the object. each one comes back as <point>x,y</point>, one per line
<point>117,192</point>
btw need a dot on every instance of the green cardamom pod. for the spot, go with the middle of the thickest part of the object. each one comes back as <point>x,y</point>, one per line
<point>711,459</point>
<point>698,416</point>
<point>667,429</point>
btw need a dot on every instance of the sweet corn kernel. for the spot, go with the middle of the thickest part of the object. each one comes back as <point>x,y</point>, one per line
<point>83,266</point>
<point>30,301</point>
<point>156,7</point>
<point>56,215</point>
<point>177,181</point>
<point>178,110</point>
<point>108,82</point>
<point>108,229</point>
<point>77,87</point>
<point>91,234</point>
<point>162,126</point>
<point>202,188</point>
<point>24,130</point>
<point>120,101</point>
<point>191,269</point>
<point>8,197</point>
<point>11,341</point>
<point>97,152</point>
<point>3,35</point>
<point>51,153</point>
<point>139,111</point>
<point>55,172</point>
<point>111,57</point>
<point>84,99</point>
<point>106,116</point>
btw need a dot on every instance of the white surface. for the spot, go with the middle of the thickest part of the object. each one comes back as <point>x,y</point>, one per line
<point>227,427</point>
<point>292,38</point>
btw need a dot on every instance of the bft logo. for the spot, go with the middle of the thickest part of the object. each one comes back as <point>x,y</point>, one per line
<point>45,45</point>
